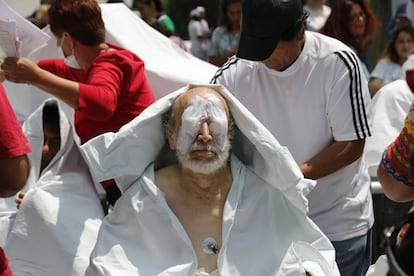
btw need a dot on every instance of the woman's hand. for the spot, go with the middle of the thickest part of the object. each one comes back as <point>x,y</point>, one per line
<point>2,77</point>
<point>19,70</point>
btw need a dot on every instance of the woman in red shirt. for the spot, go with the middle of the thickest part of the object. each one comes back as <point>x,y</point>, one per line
<point>104,83</point>
<point>14,164</point>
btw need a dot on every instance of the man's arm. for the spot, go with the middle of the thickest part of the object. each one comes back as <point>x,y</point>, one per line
<point>348,115</point>
<point>333,158</point>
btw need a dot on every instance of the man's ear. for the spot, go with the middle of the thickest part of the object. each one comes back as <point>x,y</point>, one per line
<point>169,133</point>
<point>301,35</point>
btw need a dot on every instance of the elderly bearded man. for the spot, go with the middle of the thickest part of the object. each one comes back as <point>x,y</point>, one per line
<point>208,210</point>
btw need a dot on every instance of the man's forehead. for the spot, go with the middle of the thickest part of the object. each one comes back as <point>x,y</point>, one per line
<point>184,99</point>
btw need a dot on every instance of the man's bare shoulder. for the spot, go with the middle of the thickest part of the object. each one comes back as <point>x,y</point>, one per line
<point>165,177</point>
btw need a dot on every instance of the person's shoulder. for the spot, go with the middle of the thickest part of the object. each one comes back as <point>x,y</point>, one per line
<point>219,30</point>
<point>386,62</point>
<point>239,64</point>
<point>233,69</point>
<point>194,22</point>
<point>401,7</point>
<point>118,53</point>
<point>322,46</point>
<point>326,42</point>
<point>395,89</point>
<point>166,177</point>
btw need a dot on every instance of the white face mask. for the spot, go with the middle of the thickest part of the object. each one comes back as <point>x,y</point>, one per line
<point>69,60</point>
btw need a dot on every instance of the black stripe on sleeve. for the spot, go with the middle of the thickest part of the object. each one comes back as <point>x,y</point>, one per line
<point>356,94</point>
<point>223,68</point>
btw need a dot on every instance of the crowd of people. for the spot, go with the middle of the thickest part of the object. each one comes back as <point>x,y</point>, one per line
<point>259,172</point>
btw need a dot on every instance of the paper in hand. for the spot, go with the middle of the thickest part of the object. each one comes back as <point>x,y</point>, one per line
<point>18,36</point>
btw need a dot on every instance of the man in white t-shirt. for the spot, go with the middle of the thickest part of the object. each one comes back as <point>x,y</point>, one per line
<point>199,35</point>
<point>310,92</point>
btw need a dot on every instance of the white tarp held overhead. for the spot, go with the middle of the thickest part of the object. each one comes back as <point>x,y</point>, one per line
<point>23,7</point>
<point>168,67</point>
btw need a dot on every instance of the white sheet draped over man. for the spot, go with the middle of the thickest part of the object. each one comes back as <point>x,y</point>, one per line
<point>265,229</point>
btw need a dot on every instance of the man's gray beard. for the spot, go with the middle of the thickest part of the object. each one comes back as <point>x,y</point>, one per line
<point>202,167</point>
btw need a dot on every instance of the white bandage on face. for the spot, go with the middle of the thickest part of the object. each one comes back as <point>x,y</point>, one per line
<point>199,110</point>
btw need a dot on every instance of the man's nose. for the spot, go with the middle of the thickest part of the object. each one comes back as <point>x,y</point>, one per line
<point>204,134</point>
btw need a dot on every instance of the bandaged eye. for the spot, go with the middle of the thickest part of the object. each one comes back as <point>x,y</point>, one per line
<point>201,110</point>
<point>219,132</point>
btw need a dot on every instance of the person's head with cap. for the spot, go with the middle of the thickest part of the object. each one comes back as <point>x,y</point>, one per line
<point>201,11</point>
<point>267,22</point>
<point>194,14</point>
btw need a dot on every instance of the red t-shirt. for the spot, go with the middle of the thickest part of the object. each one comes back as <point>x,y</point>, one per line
<point>112,92</point>
<point>13,142</point>
<point>4,264</point>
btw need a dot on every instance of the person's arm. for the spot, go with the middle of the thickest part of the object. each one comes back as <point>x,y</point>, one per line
<point>396,166</point>
<point>13,175</point>
<point>394,189</point>
<point>334,157</point>
<point>23,70</point>
<point>5,269</point>
<point>374,85</point>
<point>347,109</point>
<point>377,76</point>
<point>14,164</point>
